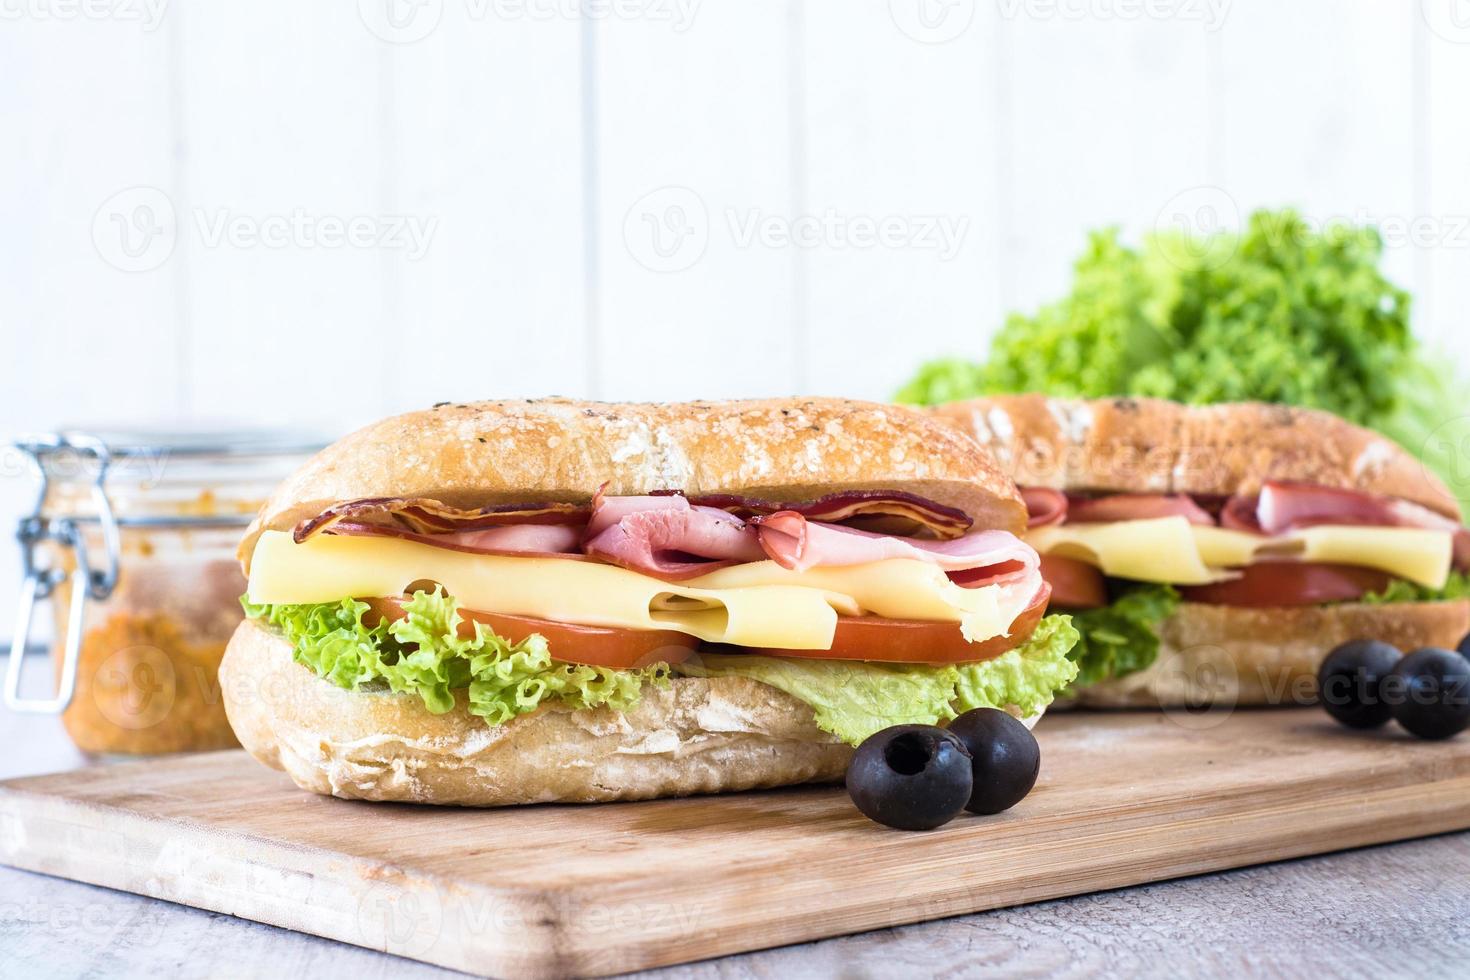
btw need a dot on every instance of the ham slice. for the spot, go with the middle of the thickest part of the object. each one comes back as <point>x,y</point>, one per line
<point>1284,506</point>
<point>978,559</point>
<point>1135,507</point>
<point>796,543</point>
<point>519,540</point>
<point>1044,506</point>
<point>667,537</point>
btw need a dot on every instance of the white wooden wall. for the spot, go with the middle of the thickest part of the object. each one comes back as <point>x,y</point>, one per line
<point>608,188</point>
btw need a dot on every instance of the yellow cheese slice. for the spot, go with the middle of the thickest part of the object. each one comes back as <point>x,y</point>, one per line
<point>758,604</point>
<point>1223,548</point>
<point>1161,549</point>
<point>1173,551</point>
<point>898,589</point>
<point>1421,556</point>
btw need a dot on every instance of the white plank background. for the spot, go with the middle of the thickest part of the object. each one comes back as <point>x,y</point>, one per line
<point>609,193</point>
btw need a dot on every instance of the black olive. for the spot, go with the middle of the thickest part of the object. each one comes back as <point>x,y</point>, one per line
<point>1350,679</point>
<point>1004,756</point>
<point>1430,693</point>
<point>913,777</point>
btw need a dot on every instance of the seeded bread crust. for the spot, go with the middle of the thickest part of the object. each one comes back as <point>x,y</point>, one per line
<point>1144,445</point>
<point>555,449</point>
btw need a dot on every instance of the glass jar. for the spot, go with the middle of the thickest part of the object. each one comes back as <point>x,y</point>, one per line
<point>133,540</point>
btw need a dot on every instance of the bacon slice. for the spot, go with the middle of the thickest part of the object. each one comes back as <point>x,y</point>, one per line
<point>940,520</point>
<point>667,537</point>
<point>1044,506</point>
<point>423,515</point>
<point>1135,507</point>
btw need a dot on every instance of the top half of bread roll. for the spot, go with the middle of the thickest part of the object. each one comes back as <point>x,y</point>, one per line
<point>554,449</point>
<point>1141,445</point>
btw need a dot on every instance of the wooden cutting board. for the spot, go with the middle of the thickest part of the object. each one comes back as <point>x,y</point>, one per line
<point>552,890</point>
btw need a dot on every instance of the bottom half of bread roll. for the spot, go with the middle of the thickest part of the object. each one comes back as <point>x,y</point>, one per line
<point>1214,656</point>
<point>695,735</point>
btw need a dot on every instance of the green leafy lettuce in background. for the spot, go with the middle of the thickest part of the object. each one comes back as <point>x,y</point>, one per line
<point>1279,312</point>
<point>423,654</point>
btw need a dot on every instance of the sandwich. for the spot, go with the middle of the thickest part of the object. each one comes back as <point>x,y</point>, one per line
<point>566,601</point>
<point>1215,555</point>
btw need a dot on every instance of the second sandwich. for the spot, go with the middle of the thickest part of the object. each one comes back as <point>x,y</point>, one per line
<point>1215,555</point>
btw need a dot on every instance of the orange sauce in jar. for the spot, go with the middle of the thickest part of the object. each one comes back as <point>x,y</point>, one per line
<point>152,637</point>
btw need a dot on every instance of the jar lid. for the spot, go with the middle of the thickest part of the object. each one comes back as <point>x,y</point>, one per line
<point>122,443</point>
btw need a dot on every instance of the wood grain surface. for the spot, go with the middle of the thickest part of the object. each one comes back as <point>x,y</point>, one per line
<point>1124,799</point>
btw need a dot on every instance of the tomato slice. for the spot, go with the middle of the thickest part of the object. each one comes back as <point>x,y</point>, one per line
<point>913,641</point>
<point>1074,584</point>
<point>1290,583</point>
<point>857,638</point>
<point>597,646</point>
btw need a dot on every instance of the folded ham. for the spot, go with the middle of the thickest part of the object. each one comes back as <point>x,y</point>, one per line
<point>796,543</point>
<point>1044,506</point>
<point>668,537</point>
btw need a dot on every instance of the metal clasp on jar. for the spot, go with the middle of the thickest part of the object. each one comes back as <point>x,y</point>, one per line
<point>39,583</point>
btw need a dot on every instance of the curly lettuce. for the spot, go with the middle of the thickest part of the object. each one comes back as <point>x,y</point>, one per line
<point>1399,590</point>
<point>853,699</point>
<point>424,654</point>
<point>1123,637</point>
<point>1278,312</point>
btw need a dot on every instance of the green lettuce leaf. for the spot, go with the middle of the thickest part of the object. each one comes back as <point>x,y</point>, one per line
<point>853,699</point>
<point>1121,638</point>
<point>1399,590</point>
<point>423,654</point>
<point>1280,311</point>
